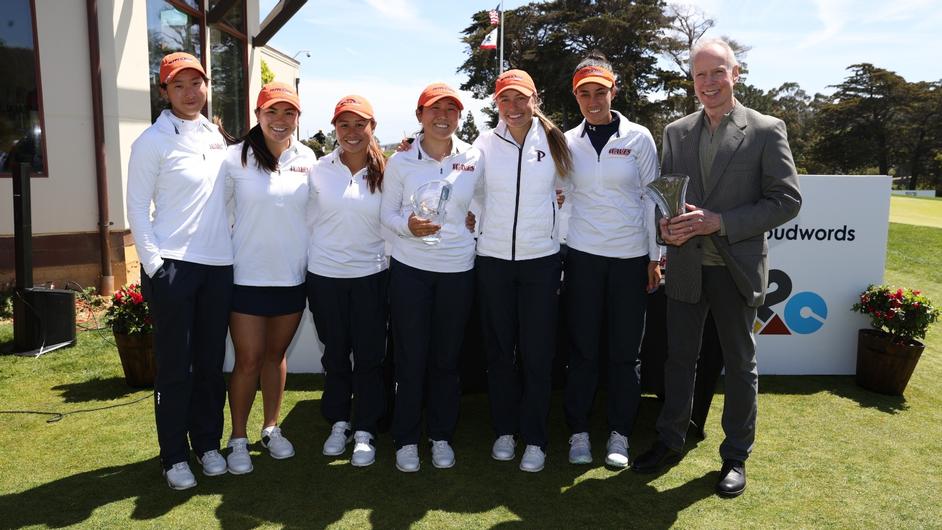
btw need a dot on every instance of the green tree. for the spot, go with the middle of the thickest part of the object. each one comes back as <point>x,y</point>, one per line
<point>547,39</point>
<point>321,143</point>
<point>267,75</point>
<point>468,130</point>
<point>856,126</point>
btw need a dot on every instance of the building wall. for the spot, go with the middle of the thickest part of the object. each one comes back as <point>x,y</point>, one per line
<point>65,202</point>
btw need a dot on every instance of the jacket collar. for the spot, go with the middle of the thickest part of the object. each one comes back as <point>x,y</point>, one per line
<point>532,135</point>
<point>458,146</point>
<point>170,124</point>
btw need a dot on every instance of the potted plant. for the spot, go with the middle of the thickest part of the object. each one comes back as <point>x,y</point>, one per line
<point>133,331</point>
<point>887,354</point>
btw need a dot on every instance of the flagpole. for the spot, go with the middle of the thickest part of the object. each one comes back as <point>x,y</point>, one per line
<point>500,65</point>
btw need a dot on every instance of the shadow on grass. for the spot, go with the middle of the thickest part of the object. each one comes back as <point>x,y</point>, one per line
<point>97,389</point>
<point>839,385</point>
<point>314,491</point>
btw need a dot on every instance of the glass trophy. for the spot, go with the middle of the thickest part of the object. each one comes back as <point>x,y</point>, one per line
<point>669,193</point>
<point>428,202</point>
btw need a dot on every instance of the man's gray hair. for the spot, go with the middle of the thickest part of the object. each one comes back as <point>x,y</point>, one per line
<point>721,43</point>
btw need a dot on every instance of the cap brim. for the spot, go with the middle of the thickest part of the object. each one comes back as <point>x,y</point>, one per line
<point>271,102</point>
<point>357,112</point>
<point>445,96</point>
<point>175,71</point>
<point>523,90</point>
<point>607,83</point>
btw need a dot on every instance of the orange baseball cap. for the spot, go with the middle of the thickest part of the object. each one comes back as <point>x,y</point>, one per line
<point>276,93</point>
<point>174,63</point>
<point>437,91</point>
<point>355,104</point>
<point>517,80</point>
<point>593,74</point>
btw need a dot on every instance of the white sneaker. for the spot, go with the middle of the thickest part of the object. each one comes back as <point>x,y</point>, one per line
<point>239,460</point>
<point>337,442</point>
<point>278,446</point>
<point>580,450</point>
<point>407,458</point>
<point>443,456</point>
<point>179,477</point>
<point>617,450</point>
<point>213,463</point>
<point>503,448</point>
<point>533,459</point>
<point>364,453</point>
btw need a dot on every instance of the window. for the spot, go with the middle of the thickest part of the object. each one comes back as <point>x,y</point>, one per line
<point>180,25</point>
<point>172,26</point>
<point>21,127</point>
<point>228,48</point>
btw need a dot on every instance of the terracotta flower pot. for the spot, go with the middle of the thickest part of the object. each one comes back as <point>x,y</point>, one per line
<point>137,358</point>
<point>884,366</point>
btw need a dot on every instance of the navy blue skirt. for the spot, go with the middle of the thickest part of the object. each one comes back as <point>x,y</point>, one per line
<point>268,301</point>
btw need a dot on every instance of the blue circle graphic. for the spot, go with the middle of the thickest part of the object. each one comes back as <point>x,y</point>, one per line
<point>805,312</point>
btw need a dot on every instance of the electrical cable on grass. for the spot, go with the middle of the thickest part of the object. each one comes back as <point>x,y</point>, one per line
<point>56,416</point>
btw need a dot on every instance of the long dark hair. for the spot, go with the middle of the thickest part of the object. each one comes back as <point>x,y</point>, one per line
<point>264,158</point>
<point>376,165</point>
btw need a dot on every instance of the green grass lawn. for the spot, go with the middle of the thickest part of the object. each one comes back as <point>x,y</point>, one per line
<point>828,455</point>
<point>924,211</point>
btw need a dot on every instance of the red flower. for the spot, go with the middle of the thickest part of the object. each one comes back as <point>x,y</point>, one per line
<point>136,297</point>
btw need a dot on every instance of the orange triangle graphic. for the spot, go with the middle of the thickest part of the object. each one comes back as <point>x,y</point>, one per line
<point>775,327</point>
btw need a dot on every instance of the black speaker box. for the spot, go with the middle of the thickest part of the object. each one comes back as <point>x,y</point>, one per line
<point>43,319</point>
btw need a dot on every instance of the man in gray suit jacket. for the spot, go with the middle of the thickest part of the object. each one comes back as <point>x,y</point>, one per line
<point>742,183</point>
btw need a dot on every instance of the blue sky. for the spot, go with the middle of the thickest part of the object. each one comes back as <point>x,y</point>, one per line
<point>388,50</point>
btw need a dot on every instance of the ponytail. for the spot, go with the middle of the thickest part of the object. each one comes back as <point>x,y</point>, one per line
<point>264,158</point>
<point>375,165</point>
<point>559,148</point>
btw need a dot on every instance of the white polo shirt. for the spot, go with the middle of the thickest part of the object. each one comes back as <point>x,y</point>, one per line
<point>408,170</point>
<point>610,215</point>
<point>520,214</point>
<point>175,165</point>
<point>345,236</point>
<point>269,235</point>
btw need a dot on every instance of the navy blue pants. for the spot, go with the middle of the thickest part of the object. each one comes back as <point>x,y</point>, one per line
<point>429,312</point>
<point>519,302</point>
<point>350,315</point>
<point>189,303</point>
<point>610,293</point>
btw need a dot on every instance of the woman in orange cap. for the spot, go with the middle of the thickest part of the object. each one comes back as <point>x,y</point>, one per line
<point>431,275</point>
<point>186,257</point>
<point>347,280</point>
<point>518,265</point>
<point>267,190</point>
<point>612,262</point>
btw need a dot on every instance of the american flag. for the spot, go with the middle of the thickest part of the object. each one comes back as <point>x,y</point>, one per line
<point>494,16</point>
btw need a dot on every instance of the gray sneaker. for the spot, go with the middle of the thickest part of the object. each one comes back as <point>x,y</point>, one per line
<point>503,448</point>
<point>580,450</point>
<point>617,450</point>
<point>407,458</point>
<point>278,446</point>
<point>179,477</point>
<point>213,463</point>
<point>339,437</point>
<point>239,460</point>
<point>364,453</point>
<point>443,456</point>
<point>533,459</point>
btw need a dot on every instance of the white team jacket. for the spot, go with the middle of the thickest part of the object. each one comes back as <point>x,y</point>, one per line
<point>175,164</point>
<point>269,236</point>
<point>405,172</point>
<point>519,216</point>
<point>610,215</point>
<point>345,236</point>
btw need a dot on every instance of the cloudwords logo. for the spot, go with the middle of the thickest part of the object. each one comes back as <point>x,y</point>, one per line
<point>804,312</point>
<point>803,233</point>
